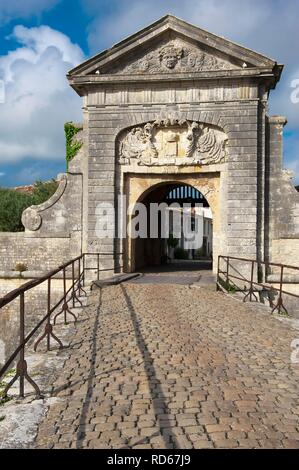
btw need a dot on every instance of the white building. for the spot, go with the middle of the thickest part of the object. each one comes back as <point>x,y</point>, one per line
<point>201,225</point>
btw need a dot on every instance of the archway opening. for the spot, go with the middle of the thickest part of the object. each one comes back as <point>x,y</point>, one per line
<point>179,230</point>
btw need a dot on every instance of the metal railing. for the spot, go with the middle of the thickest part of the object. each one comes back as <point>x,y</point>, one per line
<point>77,274</point>
<point>230,277</point>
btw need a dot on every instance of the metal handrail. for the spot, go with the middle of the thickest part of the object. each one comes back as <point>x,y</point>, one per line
<point>71,294</point>
<point>223,284</point>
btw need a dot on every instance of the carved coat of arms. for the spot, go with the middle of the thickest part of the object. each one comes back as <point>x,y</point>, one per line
<point>173,142</point>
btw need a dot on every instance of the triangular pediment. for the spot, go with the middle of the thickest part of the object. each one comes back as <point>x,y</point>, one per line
<point>171,45</point>
<point>170,53</point>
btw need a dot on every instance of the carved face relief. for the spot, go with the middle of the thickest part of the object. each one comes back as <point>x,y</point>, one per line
<point>173,142</point>
<point>170,55</point>
<point>144,65</point>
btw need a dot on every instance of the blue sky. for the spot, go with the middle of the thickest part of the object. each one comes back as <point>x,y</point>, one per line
<point>40,40</point>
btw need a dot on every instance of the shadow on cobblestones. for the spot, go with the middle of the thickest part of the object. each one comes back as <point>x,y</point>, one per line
<point>91,377</point>
<point>150,371</point>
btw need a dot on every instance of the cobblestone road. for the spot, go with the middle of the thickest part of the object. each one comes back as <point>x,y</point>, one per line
<point>167,366</point>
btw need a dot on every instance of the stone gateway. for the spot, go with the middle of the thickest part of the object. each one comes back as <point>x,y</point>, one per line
<point>171,105</point>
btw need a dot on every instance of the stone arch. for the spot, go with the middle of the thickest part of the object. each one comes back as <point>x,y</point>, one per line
<point>141,186</point>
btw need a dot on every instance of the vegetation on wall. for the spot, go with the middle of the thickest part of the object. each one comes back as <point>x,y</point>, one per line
<point>180,253</point>
<point>13,203</point>
<point>172,242</point>
<point>72,146</point>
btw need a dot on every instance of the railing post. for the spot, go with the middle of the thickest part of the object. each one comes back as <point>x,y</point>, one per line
<point>73,284</point>
<point>250,292</point>
<point>21,370</point>
<point>98,266</point>
<point>83,276</point>
<point>227,275</point>
<point>79,267</point>
<point>280,290</point>
<point>218,273</point>
<point>22,365</point>
<point>65,309</point>
<point>49,326</point>
<point>64,294</point>
<point>80,278</point>
<point>279,306</point>
<point>251,280</point>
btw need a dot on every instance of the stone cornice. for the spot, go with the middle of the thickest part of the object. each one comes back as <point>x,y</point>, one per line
<point>81,83</point>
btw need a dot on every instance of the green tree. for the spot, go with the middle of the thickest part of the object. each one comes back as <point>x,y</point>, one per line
<point>13,203</point>
<point>42,191</point>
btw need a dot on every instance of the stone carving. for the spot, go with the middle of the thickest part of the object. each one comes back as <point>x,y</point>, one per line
<point>32,218</point>
<point>174,55</point>
<point>170,55</point>
<point>138,144</point>
<point>173,142</point>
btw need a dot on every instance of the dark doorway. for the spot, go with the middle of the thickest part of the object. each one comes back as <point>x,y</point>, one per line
<point>172,253</point>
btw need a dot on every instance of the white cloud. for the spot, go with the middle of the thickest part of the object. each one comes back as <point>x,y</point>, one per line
<point>214,15</point>
<point>38,98</point>
<point>269,27</point>
<point>282,102</point>
<point>10,9</point>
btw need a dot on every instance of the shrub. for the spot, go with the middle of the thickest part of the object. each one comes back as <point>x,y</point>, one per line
<point>180,253</point>
<point>21,267</point>
<point>200,253</point>
<point>42,191</point>
<point>172,242</point>
<point>13,203</point>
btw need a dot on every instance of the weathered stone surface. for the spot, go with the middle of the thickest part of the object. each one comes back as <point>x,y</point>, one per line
<point>166,366</point>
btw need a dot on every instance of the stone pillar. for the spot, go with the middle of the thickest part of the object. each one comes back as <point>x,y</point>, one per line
<point>282,202</point>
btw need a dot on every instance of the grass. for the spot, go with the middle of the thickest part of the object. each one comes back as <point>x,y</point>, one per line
<point>284,314</point>
<point>228,286</point>
<point>9,375</point>
<point>4,400</point>
<point>11,372</point>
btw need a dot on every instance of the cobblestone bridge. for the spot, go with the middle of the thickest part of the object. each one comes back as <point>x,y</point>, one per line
<point>160,365</point>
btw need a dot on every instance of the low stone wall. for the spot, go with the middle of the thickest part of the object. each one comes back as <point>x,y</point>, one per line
<point>38,253</point>
<point>35,309</point>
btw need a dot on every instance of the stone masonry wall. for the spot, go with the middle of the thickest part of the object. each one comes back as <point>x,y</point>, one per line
<point>39,254</point>
<point>282,201</point>
<point>238,118</point>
